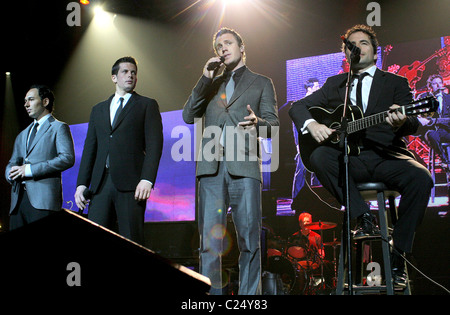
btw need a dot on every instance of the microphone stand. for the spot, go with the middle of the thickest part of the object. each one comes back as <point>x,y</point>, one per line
<point>343,144</point>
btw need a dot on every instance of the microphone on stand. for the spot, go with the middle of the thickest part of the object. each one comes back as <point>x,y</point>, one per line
<point>355,51</point>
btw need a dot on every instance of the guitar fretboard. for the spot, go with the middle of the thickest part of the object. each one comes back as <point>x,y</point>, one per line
<point>415,108</point>
<point>366,122</point>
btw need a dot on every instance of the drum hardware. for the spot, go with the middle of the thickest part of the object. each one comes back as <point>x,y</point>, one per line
<point>300,269</point>
<point>320,225</point>
<point>335,243</point>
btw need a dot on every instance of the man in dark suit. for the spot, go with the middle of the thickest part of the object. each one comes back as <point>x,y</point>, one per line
<point>237,106</point>
<point>384,156</point>
<point>41,152</point>
<point>121,155</point>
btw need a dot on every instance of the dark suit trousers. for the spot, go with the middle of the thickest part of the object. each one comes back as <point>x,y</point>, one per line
<point>216,194</point>
<point>109,205</point>
<point>25,213</point>
<point>436,138</point>
<point>409,177</point>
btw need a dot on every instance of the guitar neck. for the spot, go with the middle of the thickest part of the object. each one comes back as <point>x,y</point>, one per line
<point>436,53</point>
<point>369,121</point>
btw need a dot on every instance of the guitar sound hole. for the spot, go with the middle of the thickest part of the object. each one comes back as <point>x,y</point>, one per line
<point>335,138</point>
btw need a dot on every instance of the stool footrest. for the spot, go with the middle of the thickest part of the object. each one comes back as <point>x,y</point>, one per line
<point>372,289</point>
<point>381,193</point>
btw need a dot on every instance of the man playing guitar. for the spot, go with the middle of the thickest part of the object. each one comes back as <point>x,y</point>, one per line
<point>382,153</point>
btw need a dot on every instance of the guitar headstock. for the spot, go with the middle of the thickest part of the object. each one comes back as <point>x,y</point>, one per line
<point>424,105</point>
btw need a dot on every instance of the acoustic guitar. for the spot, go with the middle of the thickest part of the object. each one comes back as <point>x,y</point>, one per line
<point>355,122</point>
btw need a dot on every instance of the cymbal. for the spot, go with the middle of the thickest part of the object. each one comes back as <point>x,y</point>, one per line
<point>320,225</point>
<point>335,243</point>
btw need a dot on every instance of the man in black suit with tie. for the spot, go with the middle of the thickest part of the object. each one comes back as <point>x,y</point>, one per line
<point>384,156</point>
<point>121,155</point>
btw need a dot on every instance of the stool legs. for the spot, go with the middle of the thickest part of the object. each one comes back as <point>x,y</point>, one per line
<point>384,232</point>
<point>385,242</point>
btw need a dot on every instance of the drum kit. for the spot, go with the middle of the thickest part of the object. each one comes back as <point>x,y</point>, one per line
<point>298,267</point>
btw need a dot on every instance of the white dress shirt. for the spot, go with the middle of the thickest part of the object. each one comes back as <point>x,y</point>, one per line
<point>115,102</point>
<point>365,91</point>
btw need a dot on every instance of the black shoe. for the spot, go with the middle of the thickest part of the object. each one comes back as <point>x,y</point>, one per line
<point>399,276</point>
<point>366,227</point>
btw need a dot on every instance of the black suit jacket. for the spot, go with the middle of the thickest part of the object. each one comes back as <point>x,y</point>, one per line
<point>386,89</point>
<point>134,145</point>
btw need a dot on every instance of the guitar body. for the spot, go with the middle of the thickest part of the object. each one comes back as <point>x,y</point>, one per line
<point>331,119</point>
<point>355,123</point>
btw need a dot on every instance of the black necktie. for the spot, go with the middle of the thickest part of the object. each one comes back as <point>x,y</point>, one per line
<point>32,135</point>
<point>358,90</point>
<point>116,116</point>
<point>119,110</point>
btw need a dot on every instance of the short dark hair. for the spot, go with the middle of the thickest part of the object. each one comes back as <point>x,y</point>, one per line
<point>365,29</point>
<point>432,77</point>
<point>310,83</point>
<point>116,66</point>
<point>45,92</point>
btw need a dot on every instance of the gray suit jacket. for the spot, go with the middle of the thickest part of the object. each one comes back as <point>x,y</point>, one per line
<point>208,100</point>
<point>51,153</point>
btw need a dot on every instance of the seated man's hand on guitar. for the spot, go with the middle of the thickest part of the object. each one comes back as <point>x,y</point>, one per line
<point>319,132</point>
<point>395,118</point>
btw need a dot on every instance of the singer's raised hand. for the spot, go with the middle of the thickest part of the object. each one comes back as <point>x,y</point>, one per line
<point>250,120</point>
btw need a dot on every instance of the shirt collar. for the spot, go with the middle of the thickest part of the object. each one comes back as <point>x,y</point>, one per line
<point>237,72</point>
<point>126,97</point>
<point>370,71</point>
<point>42,120</point>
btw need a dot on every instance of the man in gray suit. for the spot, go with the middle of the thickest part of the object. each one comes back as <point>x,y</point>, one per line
<point>238,106</point>
<point>41,152</point>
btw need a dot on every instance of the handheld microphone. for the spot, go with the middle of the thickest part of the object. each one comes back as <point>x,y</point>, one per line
<point>355,51</point>
<point>214,65</point>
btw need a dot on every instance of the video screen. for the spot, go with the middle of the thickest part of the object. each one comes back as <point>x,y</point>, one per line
<point>173,197</point>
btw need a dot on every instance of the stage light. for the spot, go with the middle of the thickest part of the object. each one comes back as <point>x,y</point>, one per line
<point>8,73</point>
<point>98,10</point>
<point>102,18</point>
<point>84,2</point>
<point>233,2</point>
